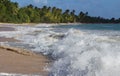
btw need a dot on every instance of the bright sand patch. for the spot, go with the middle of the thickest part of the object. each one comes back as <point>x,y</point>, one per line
<point>14,60</point>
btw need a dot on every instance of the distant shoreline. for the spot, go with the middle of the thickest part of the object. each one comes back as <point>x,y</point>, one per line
<point>18,23</point>
<point>35,24</point>
<point>46,24</point>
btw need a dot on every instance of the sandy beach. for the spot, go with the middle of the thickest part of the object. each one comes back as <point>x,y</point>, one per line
<point>35,24</point>
<point>20,61</point>
<point>15,60</point>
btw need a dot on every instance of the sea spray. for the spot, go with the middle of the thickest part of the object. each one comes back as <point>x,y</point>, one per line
<point>86,55</point>
<point>75,52</point>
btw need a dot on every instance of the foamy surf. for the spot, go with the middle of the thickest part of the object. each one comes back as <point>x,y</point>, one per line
<point>75,52</point>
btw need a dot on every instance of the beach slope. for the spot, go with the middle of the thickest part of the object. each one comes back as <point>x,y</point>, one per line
<point>18,61</point>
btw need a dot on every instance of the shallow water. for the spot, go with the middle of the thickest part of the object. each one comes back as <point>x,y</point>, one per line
<point>78,50</point>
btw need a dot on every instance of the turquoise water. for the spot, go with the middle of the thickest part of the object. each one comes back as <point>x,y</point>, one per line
<point>98,29</point>
<point>92,26</point>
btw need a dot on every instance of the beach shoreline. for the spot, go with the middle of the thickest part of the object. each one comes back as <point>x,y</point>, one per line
<point>33,24</point>
<point>11,58</point>
<point>20,61</point>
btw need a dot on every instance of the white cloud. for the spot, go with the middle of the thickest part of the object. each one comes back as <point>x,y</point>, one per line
<point>40,1</point>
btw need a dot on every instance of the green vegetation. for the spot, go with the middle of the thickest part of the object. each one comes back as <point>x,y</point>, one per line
<point>10,12</point>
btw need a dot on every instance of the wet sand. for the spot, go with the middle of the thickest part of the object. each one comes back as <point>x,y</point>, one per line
<point>20,61</point>
<point>3,28</point>
<point>3,39</point>
<point>15,60</point>
<point>7,28</point>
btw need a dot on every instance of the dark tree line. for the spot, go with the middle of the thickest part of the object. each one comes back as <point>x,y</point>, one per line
<point>10,12</point>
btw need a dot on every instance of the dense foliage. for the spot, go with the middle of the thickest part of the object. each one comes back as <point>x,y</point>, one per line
<point>11,12</point>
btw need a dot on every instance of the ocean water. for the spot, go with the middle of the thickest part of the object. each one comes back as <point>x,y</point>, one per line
<point>77,50</point>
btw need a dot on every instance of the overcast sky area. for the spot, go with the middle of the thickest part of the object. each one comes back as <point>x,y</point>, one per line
<point>103,8</point>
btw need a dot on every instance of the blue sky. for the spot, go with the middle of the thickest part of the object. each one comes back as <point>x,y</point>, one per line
<point>103,8</point>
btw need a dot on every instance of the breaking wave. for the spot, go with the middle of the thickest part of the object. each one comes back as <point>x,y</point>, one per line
<point>75,52</point>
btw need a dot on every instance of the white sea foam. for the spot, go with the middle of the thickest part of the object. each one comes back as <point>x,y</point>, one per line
<point>83,55</point>
<point>76,53</point>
